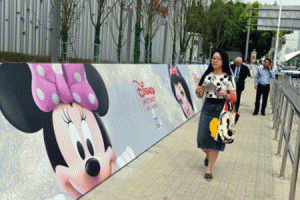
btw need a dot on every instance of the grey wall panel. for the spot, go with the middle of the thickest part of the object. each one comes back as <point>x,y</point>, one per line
<point>29,32</point>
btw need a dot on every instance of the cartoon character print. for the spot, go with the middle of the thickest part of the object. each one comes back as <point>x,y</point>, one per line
<point>181,91</point>
<point>223,129</point>
<point>220,82</point>
<point>66,101</point>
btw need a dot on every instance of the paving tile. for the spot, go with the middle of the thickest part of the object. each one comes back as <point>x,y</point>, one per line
<point>248,169</point>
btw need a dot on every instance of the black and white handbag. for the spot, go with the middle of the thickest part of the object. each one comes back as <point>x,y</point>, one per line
<point>227,122</point>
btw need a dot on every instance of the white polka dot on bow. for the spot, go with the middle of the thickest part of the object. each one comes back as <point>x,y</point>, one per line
<point>76,97</point>
<point>41,70</point>
<point>77,76</point>
<point>92,98</point>
<point>40,94</point>
<point>55,99</point>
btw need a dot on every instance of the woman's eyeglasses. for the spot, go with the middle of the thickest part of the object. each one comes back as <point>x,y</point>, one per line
<point>218,59</point>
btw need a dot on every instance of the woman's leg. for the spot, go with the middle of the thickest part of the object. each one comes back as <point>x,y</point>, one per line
<point>206,151</point>
<point>212,157</point>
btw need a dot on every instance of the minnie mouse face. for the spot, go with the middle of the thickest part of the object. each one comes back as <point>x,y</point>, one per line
<point>80,141</point>
<point>67,104</point>
<point>183,100</point>
<point>181,91</point>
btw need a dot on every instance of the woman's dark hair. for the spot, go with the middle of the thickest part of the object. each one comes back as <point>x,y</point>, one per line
<point>225,66</point>
<point>174,79</point>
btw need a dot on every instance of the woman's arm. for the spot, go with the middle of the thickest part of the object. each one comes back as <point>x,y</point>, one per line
<point>233,92</point>
<point>200,92</point>
<point>226,95</point>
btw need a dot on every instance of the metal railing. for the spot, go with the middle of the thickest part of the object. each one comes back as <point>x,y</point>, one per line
<point>284,100</point>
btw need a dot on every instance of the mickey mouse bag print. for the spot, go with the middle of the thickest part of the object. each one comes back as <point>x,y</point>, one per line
<point>223,129</point>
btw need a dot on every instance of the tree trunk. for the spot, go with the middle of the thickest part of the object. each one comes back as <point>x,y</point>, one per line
<point>119,47</point>
<point>147,42</point>
<point>120,34</point>
<point>182,50</point>
<point>192,48</point>
<point>97,42</point>
<point>138,29</point>
<point>64,45</point>
<point>137,41</point>
<point>183,46</point>
<point>150,51</point>
<point>175,36</point>
<point>174,53</point>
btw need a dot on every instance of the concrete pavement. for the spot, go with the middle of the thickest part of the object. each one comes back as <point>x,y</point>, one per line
<point>174,169</point>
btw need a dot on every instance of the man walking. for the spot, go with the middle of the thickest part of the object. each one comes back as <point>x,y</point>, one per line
<point>241,72</point>
<point>262,85</point>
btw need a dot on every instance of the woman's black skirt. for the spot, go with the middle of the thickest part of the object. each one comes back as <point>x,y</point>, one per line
<point>211,109</point>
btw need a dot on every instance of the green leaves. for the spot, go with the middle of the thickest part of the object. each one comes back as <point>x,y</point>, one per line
<point>225,24</point>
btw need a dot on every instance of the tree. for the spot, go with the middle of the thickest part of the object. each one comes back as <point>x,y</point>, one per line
<point>101,9</point>
<point>190,13</point>
<point>225,25</point>
<point>138,30</point>
<point>235,34</point>
<point>71,11</point>
<point>195,15</point>
<point>174,20</point>
<point>120,23</point>
<point>153,21</point>
<point>205,24</point>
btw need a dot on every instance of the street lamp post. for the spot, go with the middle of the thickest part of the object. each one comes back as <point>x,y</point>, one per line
<point>248,34</point>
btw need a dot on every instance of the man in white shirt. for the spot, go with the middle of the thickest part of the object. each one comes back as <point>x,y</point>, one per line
<point>262,85</point>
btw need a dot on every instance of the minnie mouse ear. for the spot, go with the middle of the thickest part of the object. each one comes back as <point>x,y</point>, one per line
<point>17,104</point>
<point>98,86</point>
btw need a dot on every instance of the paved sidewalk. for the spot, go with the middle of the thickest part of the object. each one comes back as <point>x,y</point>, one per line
<point>174,169</point>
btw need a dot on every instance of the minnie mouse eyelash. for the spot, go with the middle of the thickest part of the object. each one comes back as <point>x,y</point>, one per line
<point>67,118</point>
<point>82,114</point>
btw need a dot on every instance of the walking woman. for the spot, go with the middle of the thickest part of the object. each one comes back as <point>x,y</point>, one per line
<point>216,84</point>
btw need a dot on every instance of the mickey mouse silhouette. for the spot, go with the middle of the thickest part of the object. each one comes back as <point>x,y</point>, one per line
<point>66,101</point>
<point>181,91</point>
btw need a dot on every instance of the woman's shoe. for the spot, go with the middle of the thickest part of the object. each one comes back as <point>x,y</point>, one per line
<point>208,176</point>
<point>206,162</point>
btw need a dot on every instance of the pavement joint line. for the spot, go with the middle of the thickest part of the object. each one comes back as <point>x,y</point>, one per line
<point>252,160</point>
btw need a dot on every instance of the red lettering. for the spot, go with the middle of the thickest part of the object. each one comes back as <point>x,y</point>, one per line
<point>149,100</point>
<point>152,106</point>
<point>142,91</point>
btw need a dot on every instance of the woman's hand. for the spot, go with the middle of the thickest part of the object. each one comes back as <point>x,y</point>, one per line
<point>221,93</point>
<point>200,92</point>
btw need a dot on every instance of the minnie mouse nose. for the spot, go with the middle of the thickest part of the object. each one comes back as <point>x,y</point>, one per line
<point>92,167</point>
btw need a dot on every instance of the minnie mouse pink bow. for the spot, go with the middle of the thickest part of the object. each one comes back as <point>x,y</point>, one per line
<point>173,70</point>
<point>55,83</point>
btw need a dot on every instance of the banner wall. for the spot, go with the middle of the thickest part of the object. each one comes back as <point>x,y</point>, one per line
<point>67,127</point>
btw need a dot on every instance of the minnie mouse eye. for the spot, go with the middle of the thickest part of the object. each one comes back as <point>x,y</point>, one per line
<point>80,150</point>
<point>87,136</point>
<point>90,146</point>
<point>75,137</point>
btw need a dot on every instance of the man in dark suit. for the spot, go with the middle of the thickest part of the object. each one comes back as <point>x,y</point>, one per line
<point>240,72</point>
